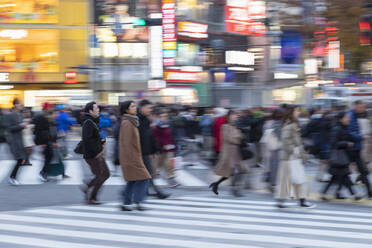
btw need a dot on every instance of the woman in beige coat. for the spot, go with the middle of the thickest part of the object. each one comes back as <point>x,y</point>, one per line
<point>130,155</point>
<point>230,160</point>
<point>291,148</point>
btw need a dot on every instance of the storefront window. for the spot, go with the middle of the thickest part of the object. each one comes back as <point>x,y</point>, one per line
<point>28,11</point>
<point>187,54</point>
<point>29,50</point>
<point>193,9</point>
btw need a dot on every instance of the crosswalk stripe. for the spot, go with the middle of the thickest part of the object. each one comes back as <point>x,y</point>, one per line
<point>37,242</point>
<point>184,232</point>
<point>229,218</point>
<point>186,179</point>
<point>129,227</point>
<point>172,205</point>
<point>224,225</point>
<point>242,204</point>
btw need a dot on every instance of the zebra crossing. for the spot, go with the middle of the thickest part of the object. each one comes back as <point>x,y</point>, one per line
<point>188,222</point>
<point>77,170</point>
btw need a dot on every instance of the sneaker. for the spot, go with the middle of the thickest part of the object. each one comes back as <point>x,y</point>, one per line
<point>357,197</point>
<point>125,208</point>
<point>43,177</point>
<point>173,183</point>
<point>325,198</point>
<point>139,207</point>
<point>162,195</point>
<point>66,176</point>
<point>68,156</point>
<point>307,205</point>
<point>94,202</point>
<point>13,181</point>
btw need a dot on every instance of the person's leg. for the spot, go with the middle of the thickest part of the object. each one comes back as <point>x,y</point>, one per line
<point>147,162</point>
<point>48,156</point>
<point>363,172</point>
<point>139,190</point>
<point>14,172</point>
<point>103,173</point>
<point>128,193</point>
<point>168,166</point>
<point>274,164</point>
<point>329,184</point>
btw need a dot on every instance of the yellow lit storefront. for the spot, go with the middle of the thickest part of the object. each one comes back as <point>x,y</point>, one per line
<point>41,40</point>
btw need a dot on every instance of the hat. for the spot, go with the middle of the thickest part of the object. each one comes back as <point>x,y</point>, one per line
<point>46,106</point>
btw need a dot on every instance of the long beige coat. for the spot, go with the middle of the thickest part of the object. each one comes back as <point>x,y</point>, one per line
<point>230,156</point>
<point>130,154</point>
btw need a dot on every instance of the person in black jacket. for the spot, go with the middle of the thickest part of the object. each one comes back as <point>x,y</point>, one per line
<point>148,144</point>
<point>45,136</point>
<point>93,150</point>
<point>341,140</point>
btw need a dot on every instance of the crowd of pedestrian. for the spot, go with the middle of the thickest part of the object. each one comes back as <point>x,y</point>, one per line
<point>151,139</point>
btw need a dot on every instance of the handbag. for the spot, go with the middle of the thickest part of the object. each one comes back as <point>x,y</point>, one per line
<point>56,166</point>
<point>79,149</point>
<point>297,171</point>
<point>245,151</point>
<point>338,157</point>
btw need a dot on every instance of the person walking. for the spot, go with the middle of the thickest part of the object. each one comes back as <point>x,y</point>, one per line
<point>230,161</point>
<point>45,137</point>
<point>339,169</point>
<point>166,145</point>
<point>28,139</point>
<point>291,149</point>
<point>93,153</point>
<point>134,170</point>
<point>355,150</point>
<point>15,125</point>
<point>148,146</point>
<point>64,123</point>
<point>206,125</point>
<point>219,121</point>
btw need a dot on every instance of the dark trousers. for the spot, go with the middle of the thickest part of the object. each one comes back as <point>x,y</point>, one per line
<point>135,191</point>
<point>147,162</point>
<point>101,172</point>
<point>48,156</point>
<point>355,157</point>
<point>342,181</point>
<point>16,168</point>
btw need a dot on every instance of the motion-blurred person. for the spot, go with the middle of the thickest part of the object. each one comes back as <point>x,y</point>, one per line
<point>219,121</point>
<point>230,160</point>
<point>178,124</point>
<point>291,150</point>
<point>28,136</point>
<point>105,122</point>
<point>93,148</point>
<point>148,146</point>
<point>116,135</point>
<point>134,169</point>
<point>45,136</point>
<point>164,139</point>
<point>355,150</point>
<point>365,130</point>
<point>15,125</point>
<point>206,125</point>
<point>339,169</point>
<point>64,123</point>
<point>3,128</point>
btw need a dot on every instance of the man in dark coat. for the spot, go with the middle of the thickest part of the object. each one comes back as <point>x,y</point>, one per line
<point>45,136</point>
<point>15,125</point>
<point>355,150</point>
<point>148,146</point>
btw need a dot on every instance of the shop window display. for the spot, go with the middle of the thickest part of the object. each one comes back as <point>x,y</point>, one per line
<point>28,11</point>
<point>28,50</point>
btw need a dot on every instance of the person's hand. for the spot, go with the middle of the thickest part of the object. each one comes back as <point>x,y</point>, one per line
<point>366,137</point>
<point>43,146</point>
<point>350,144</point>
<point>99,155</point>
<point>55,145</point>
<point>24,124</point>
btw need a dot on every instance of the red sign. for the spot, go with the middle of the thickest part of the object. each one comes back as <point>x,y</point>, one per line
<point>182,76</point>
<point>241,17</point>
<point>71,78</point>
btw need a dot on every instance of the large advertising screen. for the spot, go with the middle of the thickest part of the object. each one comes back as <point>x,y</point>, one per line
<point>28,11</point>
<point>24,50</point>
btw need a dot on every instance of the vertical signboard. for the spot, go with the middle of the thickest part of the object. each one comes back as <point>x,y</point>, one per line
<point>334,54</point>
<point>156,52</point>
<point>169,32</point>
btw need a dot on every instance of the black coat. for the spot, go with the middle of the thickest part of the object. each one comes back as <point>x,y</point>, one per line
<point>339,139</point>
<point>91,137</point>
<point>148,145</point>
<point>44,130</point>
<point>13,121</point>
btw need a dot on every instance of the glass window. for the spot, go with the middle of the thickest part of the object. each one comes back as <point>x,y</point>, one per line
<point>28,11</point>
<point>22,50</point>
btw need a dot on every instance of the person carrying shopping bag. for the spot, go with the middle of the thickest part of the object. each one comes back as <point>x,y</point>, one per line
<point>291,174</point>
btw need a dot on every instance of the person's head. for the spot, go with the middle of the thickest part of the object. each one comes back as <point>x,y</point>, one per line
<point>343,118</point>
<point>291,114</point>
<point>26,113</point>
<point>17,104</point>
<point>92,109</point>
<point>277,115</point>
<point>359,106</point>
<point>231,117</point>
<point>145,107</point>
<point>163,116</point>
<point>128,107</point>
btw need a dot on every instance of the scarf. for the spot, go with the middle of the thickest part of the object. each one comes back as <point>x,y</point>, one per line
<point>132,118</point>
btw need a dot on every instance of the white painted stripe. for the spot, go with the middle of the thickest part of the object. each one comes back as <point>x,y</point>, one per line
<point>196,202</point>
<point>140,228</point>
<point>5,169</point>
<point>175,206</point>
<point>187,179</point>
<point>36,242</point>
<point>210,224</point>
<point>227,218</point>
<point>73,169</point>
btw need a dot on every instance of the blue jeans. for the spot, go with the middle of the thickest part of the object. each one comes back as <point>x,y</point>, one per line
<point>135,191</point>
